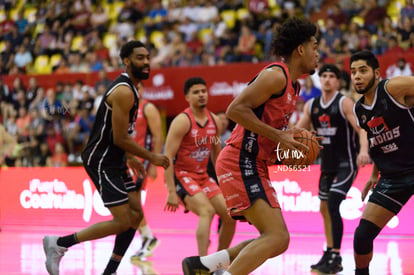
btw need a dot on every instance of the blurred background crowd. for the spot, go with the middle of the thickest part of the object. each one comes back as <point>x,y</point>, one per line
<point>83,36</point>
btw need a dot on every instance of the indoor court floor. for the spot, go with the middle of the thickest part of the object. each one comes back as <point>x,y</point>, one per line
<point>21,252</point>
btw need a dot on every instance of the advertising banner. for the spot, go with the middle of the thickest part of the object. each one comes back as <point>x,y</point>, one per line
<point>66,197</point>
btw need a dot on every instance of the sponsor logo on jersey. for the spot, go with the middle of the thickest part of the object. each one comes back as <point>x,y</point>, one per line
<point>377,125</point>
<point>325,120</point>
<point>382,133</point>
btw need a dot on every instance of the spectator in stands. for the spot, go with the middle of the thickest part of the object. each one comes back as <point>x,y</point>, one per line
<point>332,34</point>
<point>129,13</point>
<point>101,51</point>
<point>298,113</point>
<point>59,158</point>
<point>22,122</point>
<point>77,63</point>
<point>19,99</point>
<point>38,100</point>
<point>7,56</point>
<point>10,123</point>
<point>32,88</point>
<point>23,59</point>
<point>7,145</point>
<point>246,46</point>
<point>404,30</point>
<point>44,157</point>
<point>407,11</point>
<point>191,11</point>
<point>15,37</point>
<point>95,64</point>
<point>45,41</point>
<point>7,24</point>
<point>187,27</point>
<point>100,91</point>
<point>52,108</point>
<point>338,16</point>
<point>80,15</point>
<point>393,49</point>
<point>102,80</point>
<point>99,19</point>
<point>206,14</point>
<point>372,14</point>
<point>62,67</point>
<point>52,137</point>
<point>312,6</point>
<point>37,123</point>
<point>308,90</point>
<point>174,12</point>
<point>5,99</point>
<point>345,80</point>
<point>399,69</point>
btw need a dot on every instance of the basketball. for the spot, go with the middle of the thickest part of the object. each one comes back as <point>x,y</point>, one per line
<point>300,158</point>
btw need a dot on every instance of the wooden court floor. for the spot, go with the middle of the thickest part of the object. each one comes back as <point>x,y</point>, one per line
<point>21,252</point>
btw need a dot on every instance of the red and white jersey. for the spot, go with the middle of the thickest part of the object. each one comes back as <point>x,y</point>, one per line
<point>195,148</point>
<point>276,112</point>
<point>142,134</point>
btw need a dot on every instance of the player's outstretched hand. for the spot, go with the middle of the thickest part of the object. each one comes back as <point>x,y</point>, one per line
<point>160,160</point>
<point>172,202</point>
<point>136,166</point>
<point>363,159</point>
<point>368,186</point>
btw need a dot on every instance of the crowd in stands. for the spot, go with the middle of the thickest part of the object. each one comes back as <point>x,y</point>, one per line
<point>83,36</point>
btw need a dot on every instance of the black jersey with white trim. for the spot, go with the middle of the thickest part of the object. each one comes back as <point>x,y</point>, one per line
<point>100,150</point>
<point>390,129</point>
<point>340,141</point>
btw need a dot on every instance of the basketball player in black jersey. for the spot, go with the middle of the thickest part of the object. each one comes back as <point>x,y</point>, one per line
<point>386,112</point>
<point>106,158</point>
<point>331,115</point>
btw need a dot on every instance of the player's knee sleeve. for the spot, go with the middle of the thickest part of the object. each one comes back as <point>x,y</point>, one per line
<point>364,237</point>
<point>122,241</point>
<point>334,201</point>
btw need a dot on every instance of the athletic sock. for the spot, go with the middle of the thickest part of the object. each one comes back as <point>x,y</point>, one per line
<point>220,259</point>
<point>145,231</point>
<point>111,267</point>
<point>226,273</point>
<point>362,271</point>
<point>67,241</point>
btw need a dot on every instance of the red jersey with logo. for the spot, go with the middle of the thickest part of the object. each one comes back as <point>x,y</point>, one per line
<point>142,134</point>
<point>276,112</point>
<point>195,148</point>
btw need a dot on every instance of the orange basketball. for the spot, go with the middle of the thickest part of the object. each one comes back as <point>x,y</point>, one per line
<point>300,158</point>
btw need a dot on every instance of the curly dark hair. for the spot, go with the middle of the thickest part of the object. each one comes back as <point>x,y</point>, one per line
<point>366,55</point>
<point>191,82</point>
<point>129,47</point>
<point>291,34</point>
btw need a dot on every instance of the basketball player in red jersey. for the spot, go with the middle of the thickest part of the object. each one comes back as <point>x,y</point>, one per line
<point>192,137</point>
<point>262,113</point>
<point>148,134</point>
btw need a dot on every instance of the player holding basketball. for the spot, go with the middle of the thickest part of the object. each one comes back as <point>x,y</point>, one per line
<point>262,113</point>
<point>331,115</point>
<point>192,137</point>
<point>386,112</point>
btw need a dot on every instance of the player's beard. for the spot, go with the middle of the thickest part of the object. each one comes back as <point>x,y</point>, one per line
<point>138,73</point>
<point>367,88</point>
